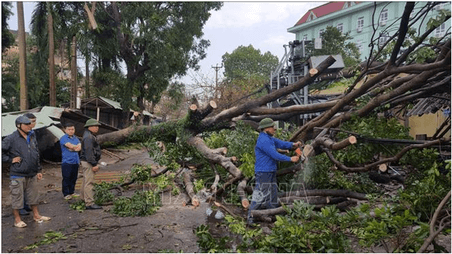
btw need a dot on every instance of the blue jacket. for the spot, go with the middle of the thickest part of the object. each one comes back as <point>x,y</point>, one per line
<point>15,145</point>
<point>266,154</point>
<point>68,156</point>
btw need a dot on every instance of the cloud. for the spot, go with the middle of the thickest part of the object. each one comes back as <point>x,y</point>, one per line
<point>247,14</point>
<point>278,40</point>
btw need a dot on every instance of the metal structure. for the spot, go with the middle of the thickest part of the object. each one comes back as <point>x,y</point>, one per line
<point>294,65</point>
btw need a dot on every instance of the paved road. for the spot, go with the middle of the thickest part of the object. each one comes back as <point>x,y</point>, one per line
<point>169,230</point>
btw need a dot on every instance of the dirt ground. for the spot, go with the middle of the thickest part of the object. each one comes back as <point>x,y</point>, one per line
<point>171,229</point>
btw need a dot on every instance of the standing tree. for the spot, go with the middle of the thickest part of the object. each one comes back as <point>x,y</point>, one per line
<point>246,69</point>
<point>335,43</point>
<point>157,41</point>
<point>7,36</point>
<point>248,62</point>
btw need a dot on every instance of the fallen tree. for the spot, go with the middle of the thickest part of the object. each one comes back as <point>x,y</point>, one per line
<point>384,88</point>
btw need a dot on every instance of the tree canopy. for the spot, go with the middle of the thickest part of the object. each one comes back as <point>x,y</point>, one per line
<point>248,62</point>
<point>334,42</point>
<point>7,36</point>
<point>157,41</point>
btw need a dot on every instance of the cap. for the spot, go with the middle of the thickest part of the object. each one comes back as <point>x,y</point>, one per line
<point>22,120</point>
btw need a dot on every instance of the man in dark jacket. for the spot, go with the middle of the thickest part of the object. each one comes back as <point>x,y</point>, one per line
<point>20,150</point>
<point>31,135</point>
<point>265,193</point>
<point>89,157</point>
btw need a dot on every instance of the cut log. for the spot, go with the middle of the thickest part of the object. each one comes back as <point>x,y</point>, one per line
<point>326,142</point>
<point>208,109</point>
<point>242,193</point>
<point>189,188</point>
<point>213,188</point>
<point>383,167</point>
<point>313,72</point>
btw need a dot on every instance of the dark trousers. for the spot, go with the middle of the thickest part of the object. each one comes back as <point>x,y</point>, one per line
<point>265,193</point>
<point>70,173</point>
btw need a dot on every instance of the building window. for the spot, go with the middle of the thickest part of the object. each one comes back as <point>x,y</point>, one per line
<point>360,46</point>
<point>340,27</point>
<point>441,30</point>
<point>382,40</point>
<point>360,24</point>
<point>321,32</point>
<point>383,17</point>
<point>305,37</point>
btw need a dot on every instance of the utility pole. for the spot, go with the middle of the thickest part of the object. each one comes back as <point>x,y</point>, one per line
<point>216,73</point>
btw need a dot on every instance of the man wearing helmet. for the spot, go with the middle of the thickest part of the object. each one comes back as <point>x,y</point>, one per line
<point>21,151</point>
<point>89,157</point>
<point>265,193</point>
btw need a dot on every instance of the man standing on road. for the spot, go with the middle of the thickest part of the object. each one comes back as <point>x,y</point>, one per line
<point>31,135</point>
<point>265,193</point>
<point>70,146</point>
<point>89,156</point>
<point>21,151</point>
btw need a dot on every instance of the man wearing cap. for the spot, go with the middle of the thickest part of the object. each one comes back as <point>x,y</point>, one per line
<point>89,157</point>
<point>30,136</point>
<point>21,151</point>
<point>265,193</point>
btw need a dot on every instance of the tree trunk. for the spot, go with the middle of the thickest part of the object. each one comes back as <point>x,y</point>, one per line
<point>22,57</point>
<point>73,103</point>
<point>52,90</point>
<point>226,163</point>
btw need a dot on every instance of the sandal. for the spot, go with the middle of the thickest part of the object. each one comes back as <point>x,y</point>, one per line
<point>20,224</point>
<point>43,218</point>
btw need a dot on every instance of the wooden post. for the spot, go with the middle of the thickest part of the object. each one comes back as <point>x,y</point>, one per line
<point>22,57</point>
<point>52,87</point>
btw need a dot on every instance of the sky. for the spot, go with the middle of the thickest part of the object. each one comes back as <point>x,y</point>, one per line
<point>261,24</point>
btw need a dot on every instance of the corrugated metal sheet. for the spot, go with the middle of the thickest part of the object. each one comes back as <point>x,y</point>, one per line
<point>430,105</point>
<point>42,121</point>
<point>113,103</point>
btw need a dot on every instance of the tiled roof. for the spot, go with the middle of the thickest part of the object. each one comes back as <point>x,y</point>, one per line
<point>322,11</point>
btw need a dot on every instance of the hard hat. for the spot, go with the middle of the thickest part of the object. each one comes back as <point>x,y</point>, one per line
<point>91,122</point>
<point>265,123</point>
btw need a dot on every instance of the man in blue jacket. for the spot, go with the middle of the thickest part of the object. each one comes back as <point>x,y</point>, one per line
<point>70,146</point>
<point>89,157</point>
<point>20,150</point>
<point>265,194</point>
